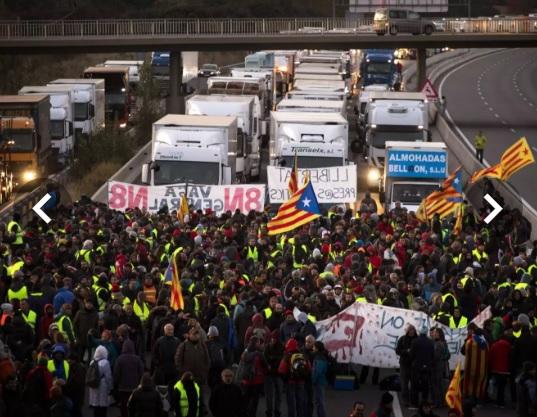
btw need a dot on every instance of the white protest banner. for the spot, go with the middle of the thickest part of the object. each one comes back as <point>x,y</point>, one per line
<point>219,198</point>
<point>367,334</point>
<point>331,184</point>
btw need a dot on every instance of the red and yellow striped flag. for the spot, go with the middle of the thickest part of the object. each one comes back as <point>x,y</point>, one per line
<point>454,393</point>
<point>516,157</point>
<point>459,219</point>
<point>183,209</point>
<point>176,296</point>
<point>293,179</point>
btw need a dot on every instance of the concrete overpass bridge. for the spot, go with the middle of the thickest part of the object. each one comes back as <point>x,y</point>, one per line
<point>176,35</point>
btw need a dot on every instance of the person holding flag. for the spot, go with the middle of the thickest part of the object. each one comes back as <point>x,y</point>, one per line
<point>173,276</point>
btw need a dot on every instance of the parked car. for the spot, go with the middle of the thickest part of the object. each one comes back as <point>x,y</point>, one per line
<point>208,70</point>
<point>393,21</point>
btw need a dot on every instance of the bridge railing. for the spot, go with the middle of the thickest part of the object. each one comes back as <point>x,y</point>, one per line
<point>222,27</point>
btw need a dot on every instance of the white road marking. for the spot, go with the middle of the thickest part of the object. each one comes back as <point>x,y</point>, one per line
<point>534,148</point>
<point>513,130</point>
<point>491,109</point>
<point>496,115</point>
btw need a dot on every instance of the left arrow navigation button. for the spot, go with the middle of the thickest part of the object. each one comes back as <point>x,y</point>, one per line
<point>38,208</point>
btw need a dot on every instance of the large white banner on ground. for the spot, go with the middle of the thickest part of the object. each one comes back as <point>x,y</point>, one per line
<point>331,184</point>
<point>367,334</point>
<point>219,198</point>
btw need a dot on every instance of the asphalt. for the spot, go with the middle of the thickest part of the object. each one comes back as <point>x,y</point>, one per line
<point>498,95</point>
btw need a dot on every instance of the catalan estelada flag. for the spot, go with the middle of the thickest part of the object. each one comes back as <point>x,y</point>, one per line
<point>183,209</point>
<point>172,275</point>
<point>454,394</point>
<point>299,210</point>
<point>293,179</point>
<point>443,202</point>
<point>516,157</point>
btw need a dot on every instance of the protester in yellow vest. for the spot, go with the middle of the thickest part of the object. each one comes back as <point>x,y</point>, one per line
<point>28,315</point>
<point>15,231</point>
<point>457,320</point>
<point>58,366</point>
<point>480,141</point>
<point>17,289</point>
<point>187,395</point>
<point>141,308</point>
<point>65,324</point>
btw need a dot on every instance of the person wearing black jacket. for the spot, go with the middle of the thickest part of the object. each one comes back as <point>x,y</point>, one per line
<point>273,382</point>
<point>226,398</point>
<point>405,361</point>
<point>145,401</point>
<point>163,363</point>
<point>422,357</point>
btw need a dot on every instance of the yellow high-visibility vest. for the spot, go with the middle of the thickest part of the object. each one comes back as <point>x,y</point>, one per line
<point>462,323</point>
<point>84,253</point>
<point>31,318</point>
<point>18,234</point>
<point>142,312</point>
<point>21,294</point>
<point>61,326</point>
<point>253,254</point>
<point>51,366</point>
<point>183,398</point>
<point>268,312</point>
<point>517,334</point>
<point>11,269</point>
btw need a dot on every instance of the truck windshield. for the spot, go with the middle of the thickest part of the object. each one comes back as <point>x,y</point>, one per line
<point>312,161</point>
<point>24,141</point>
<point>81,112</point>
<point>384,133</point>
<point>57,129</point>
<point>114,99</point>
<point>412,193</point>
<point>383,68</point>
<point>175,172</point>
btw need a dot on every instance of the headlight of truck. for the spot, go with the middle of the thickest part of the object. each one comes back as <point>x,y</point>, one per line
<point>373,175</point>
<point>29,175</point>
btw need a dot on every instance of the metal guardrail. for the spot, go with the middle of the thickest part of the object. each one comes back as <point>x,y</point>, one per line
<point>62,29</point>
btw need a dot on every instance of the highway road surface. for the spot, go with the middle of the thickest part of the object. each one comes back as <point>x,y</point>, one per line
<point>498,94</point>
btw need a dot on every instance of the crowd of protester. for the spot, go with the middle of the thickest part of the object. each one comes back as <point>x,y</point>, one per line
<point>86,317</point>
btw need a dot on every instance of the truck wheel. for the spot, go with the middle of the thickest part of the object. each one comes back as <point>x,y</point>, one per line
<point>393,30</point>
<point>429,30</point>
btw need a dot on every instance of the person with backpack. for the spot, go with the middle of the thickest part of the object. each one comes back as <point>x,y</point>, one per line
<point>252,370</point>
<point>99,381</point>
<point>273,382</point>
<point>217,356</point>
<point>294,368</point>
<point>319,378</point>
<point>145,400</point>
<point>440,371</point>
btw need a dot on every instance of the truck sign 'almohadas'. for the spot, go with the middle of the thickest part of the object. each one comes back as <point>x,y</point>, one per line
<point>417,157</point>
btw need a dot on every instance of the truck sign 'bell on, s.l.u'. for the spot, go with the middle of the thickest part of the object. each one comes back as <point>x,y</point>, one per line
<point>416,164</point>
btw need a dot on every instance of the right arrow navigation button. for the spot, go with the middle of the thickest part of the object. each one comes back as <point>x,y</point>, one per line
<point>497,208</point>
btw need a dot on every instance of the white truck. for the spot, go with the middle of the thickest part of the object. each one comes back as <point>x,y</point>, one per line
<point>192,149</point>
<point>89,103</point>
<point>400,116</point>
<point>412,171</point>
<point>61,117</point>
<point>331,86</point>
<point>318,106</point>
<point>315,95</point>
<point>318,139</point>
<point>241,86</point>
<point>248,112</point>
<point>134,69</point>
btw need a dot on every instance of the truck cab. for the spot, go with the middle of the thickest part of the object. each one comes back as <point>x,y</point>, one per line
<point>392,116</point>
<point>378,67</point>
<point>412,172</point>
<point>192,149</point>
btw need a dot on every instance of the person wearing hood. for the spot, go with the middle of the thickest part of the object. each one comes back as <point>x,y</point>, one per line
<point>58,365</point>
<point>128,369</point>
<point>223,324</point>
<point>86,319</point>
<point>226,398</point>
<point>98,397</point>
<point>145,400</point>
<point>294,368</point>
<point>257,329</point>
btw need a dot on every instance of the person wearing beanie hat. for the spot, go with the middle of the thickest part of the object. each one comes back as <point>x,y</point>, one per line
<point>213,332</point>
<point>523,319</point>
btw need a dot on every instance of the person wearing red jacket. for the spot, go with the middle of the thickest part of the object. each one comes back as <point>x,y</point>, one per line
<point>295,369</point>
<point>500,366</point>
<point>385,226</point>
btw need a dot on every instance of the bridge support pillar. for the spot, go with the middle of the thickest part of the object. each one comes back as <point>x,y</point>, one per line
<point>421,66</point>
<point>176,100</point>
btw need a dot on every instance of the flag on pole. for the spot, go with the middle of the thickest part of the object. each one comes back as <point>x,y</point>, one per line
<point>172,275</point>
<point>299,210</point>
<point>183,209</point>
<point>454,394</point>
<point>459,218</point>
<point>293,179</point>
<point>442,202</point>
<point>516,157</point>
